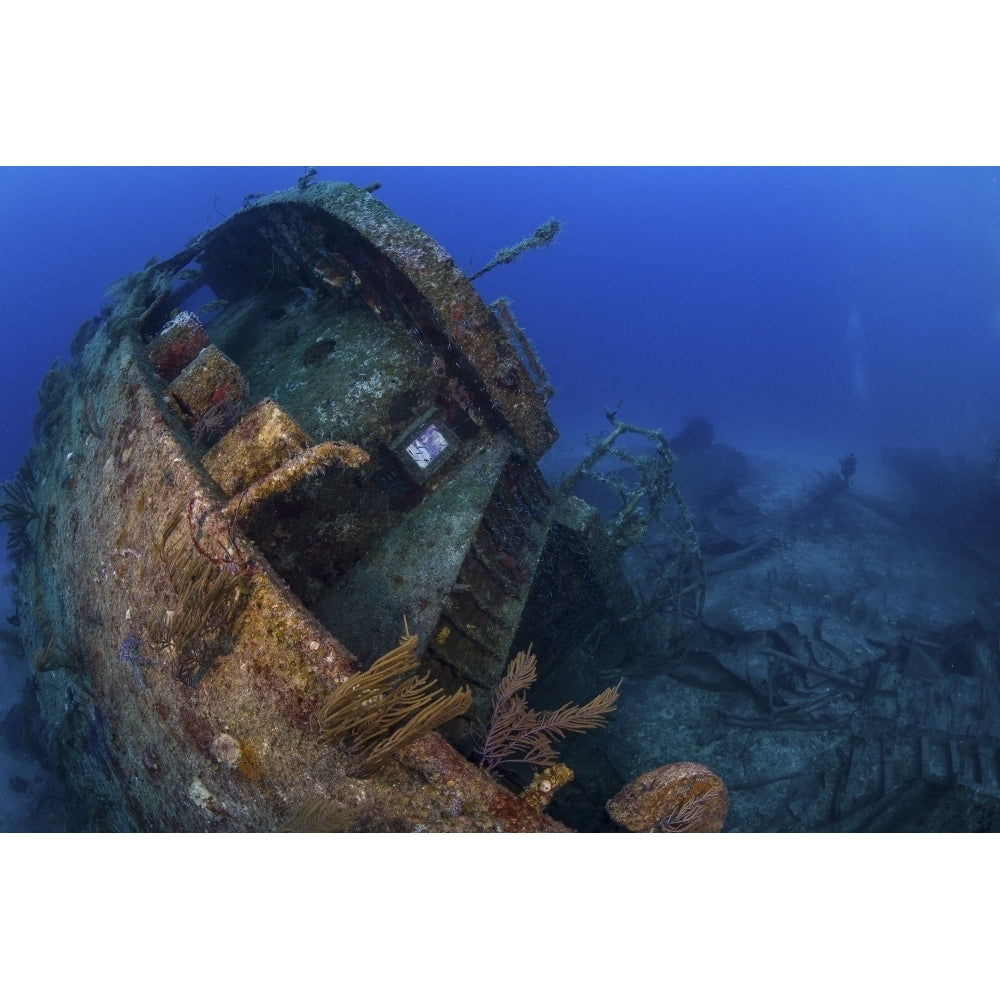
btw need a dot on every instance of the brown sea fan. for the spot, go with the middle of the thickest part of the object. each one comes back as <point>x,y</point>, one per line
<point>517,734</point>
<point>386,707</point>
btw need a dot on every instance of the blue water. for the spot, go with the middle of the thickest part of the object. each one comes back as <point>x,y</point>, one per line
<point>812,310</point>
<point>830,308</point>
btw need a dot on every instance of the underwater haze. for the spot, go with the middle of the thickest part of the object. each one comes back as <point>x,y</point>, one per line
<point>809,306</point>
<point>800,314</point>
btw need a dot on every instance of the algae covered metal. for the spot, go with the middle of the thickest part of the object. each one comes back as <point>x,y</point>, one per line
<point>298,445</point>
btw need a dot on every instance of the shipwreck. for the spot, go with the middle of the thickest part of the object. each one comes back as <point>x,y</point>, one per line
<point>301,446</point>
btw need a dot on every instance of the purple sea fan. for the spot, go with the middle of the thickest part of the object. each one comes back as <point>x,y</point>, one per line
<point>129,655</point>
<point>517,734</point>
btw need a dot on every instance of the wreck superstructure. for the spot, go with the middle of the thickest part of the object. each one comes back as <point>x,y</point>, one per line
<point>274,453</point>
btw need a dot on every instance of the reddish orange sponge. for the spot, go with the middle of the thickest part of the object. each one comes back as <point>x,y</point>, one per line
<point>675,798</point>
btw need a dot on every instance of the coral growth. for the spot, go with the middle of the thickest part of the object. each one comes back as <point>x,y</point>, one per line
<point>306,464</point>
<point>207,600</point>
<point>544,786</point>
<point>217,419</point>
<point>19,509</point>
<point>130,657</point>
<point>541,237</point>
<point>517,734</point>
<point>177,345</point>
<point>319,815</point>
<point>676,798</point>
<point>386,707</point>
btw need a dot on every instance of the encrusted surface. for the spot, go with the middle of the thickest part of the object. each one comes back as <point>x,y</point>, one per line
<point>264,438</point>
<point>162,725</point>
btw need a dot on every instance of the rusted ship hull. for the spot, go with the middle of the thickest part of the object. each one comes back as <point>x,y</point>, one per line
<point>224,530</point>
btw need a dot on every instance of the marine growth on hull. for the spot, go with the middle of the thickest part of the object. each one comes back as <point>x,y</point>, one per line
<point>283,545</point>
